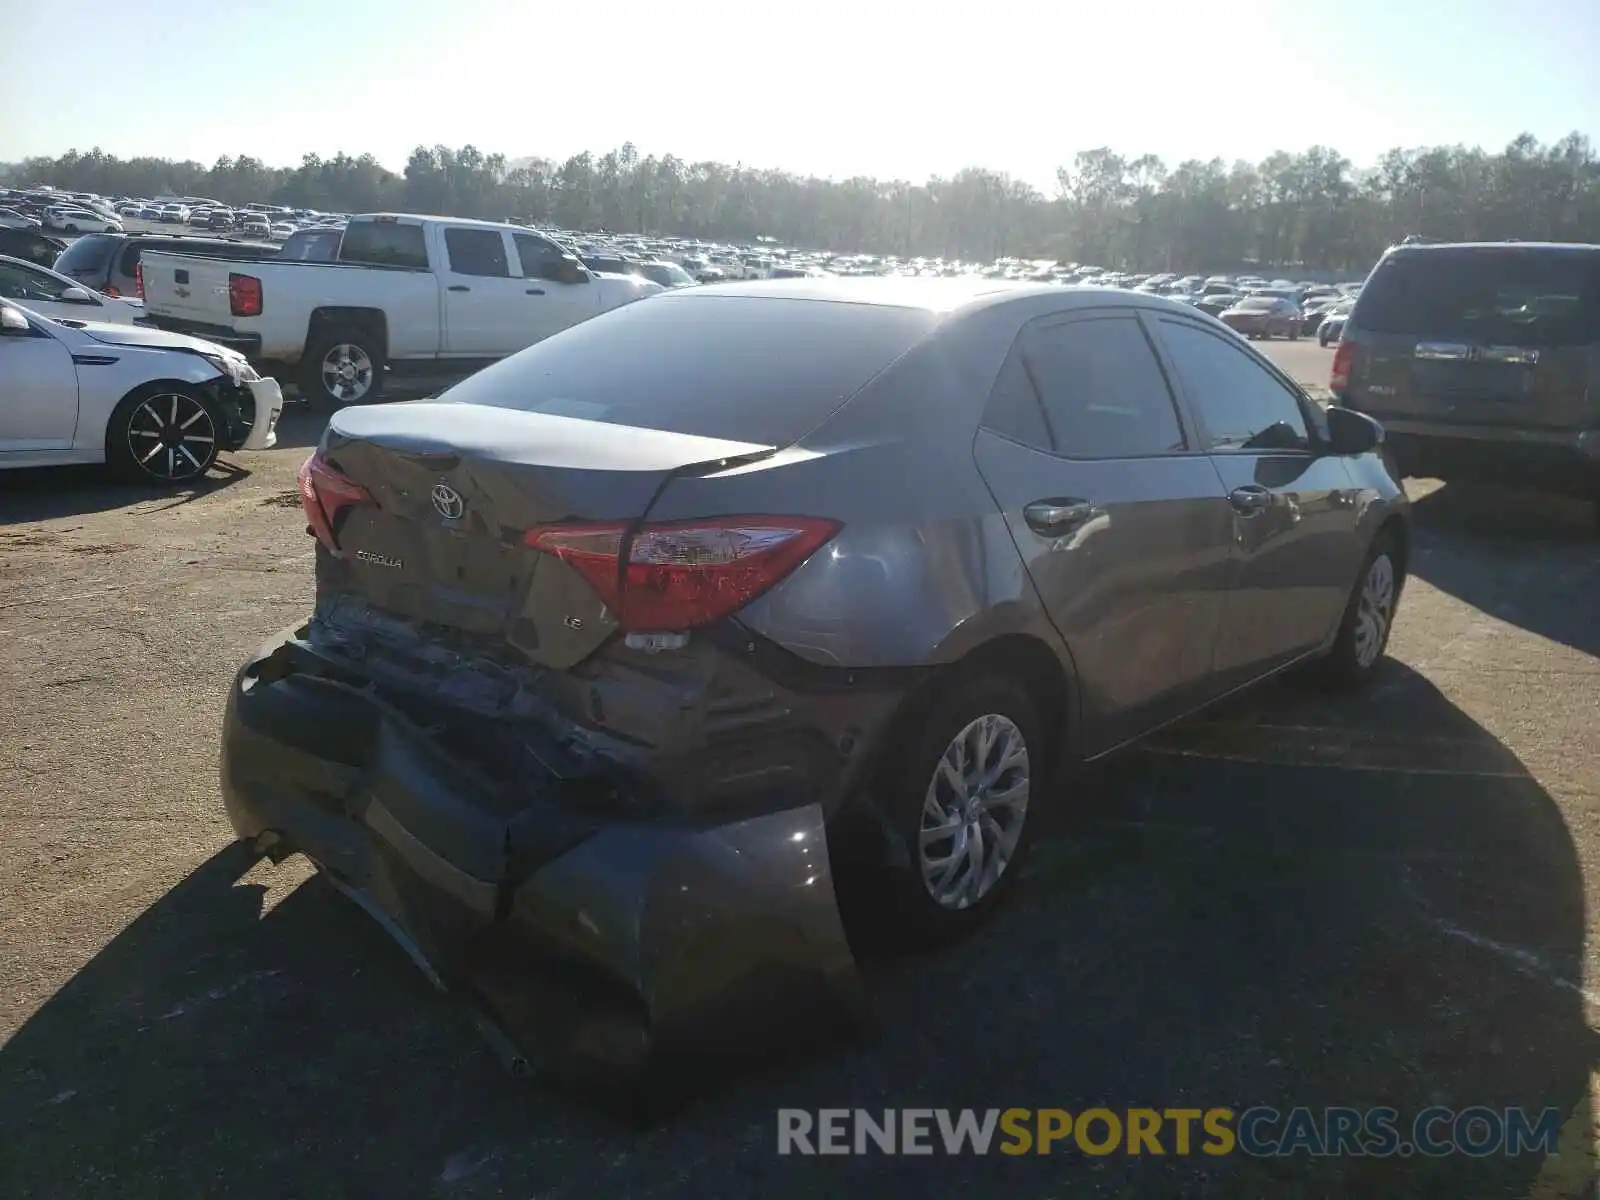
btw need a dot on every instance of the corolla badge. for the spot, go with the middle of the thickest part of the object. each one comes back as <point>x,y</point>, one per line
<point>380,560</point>
<point>447,502</point>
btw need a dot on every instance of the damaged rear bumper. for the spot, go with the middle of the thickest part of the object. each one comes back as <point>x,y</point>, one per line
<point>604,949</point>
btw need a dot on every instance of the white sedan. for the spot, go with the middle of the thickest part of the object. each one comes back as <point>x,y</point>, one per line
<point>61,297</point>
<point>80,220</point>
<point>153,405</point>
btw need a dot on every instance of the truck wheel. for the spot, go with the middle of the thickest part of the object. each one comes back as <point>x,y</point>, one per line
<point>342,367</point>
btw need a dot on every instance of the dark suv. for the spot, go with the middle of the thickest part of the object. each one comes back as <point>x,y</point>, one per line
<point>109,262</point>
<point>1482,361</point>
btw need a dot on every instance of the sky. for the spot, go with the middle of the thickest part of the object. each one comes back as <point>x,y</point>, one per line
<point>826,87</point>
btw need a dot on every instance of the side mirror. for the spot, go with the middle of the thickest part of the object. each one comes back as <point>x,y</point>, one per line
<point>1351,432</point>
<point>13,323</point>
<point>565,270</point>
<point>77,295</point>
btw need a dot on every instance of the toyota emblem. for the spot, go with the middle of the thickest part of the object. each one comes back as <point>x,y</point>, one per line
<point>447,502</point>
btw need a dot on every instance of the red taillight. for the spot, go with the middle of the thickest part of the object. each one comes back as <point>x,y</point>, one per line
<point>244,295</point>
<point>138,280</point>
<point>324,494</point>
<point>683,574</point>
<point>1339,377</point>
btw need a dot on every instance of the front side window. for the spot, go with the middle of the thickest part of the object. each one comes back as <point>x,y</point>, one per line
<point>536,253</point>
<point>1242,405</point>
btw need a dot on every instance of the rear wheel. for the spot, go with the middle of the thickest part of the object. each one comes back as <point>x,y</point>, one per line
<point>958,798</point>
<point>342,367</point>
<point>1368,617</point>
<point>163,433</point>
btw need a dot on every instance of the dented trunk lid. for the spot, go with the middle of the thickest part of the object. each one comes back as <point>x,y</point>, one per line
<point>454,489</point>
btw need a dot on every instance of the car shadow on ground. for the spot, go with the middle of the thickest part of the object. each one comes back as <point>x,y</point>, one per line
<point>1546,556</point>
<point>1230,919</point>
<point>46,493</point>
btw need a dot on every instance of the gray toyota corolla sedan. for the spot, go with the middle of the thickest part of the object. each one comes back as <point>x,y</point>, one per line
<point>621,642</point>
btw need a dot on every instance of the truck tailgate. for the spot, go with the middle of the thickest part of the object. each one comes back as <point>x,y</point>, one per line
<point>187,288</point>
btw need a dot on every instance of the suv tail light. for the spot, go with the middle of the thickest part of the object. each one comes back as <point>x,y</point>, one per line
<point>1339,376</point>
<point>679,575</point>
<point>324,494</point>
<point>138,279</point>
<point>244,295</point>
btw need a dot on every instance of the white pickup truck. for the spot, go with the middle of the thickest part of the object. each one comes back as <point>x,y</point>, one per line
<point>407,293</point>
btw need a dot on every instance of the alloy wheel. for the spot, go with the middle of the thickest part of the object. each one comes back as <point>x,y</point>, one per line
<point>347,372</point>
<point>172,436</point>
<point>973,811</point>
<point>1374,611</point>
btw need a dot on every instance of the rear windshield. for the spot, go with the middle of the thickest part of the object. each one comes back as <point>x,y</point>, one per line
<point>755,369</point>
<point>89,255</point>
<point>1514,296</point>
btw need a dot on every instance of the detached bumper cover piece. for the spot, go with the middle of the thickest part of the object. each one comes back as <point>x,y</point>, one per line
<point>604,949</point>
<point>268,396</point>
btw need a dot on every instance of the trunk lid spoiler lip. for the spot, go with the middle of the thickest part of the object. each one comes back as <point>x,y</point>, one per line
<point>452,428</point>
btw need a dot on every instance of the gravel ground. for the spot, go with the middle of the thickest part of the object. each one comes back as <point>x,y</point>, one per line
<point>1290,901</point>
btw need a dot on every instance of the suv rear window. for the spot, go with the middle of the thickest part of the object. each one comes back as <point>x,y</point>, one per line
<point>764,370</point>
<point>1520,297</point>
<point>384,244</point>
<point>88,256</point>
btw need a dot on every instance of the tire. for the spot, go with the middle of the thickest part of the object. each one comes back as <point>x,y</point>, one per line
<point>1294,333</point>
<point>163,433</point>
<point>924,905</point>
<point>1322,339</point>
<point>71,229</point>
<point>1359,647</point>
<point>334,350</point>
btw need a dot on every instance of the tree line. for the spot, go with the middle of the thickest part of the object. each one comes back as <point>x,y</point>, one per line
<point>1313,209</point>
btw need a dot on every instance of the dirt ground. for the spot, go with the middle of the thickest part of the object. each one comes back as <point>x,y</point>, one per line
<point>1293,901</point>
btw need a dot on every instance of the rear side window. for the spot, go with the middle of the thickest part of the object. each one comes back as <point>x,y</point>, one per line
<point>1517,297</point>
<point>477,252</point>
<point>756,369</point>
<point>87,257</point>
<point>1100,390</point>
<point>384,244</point>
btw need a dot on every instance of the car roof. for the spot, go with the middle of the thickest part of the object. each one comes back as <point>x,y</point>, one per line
<point>1553,247</point>
<point>939,294</point>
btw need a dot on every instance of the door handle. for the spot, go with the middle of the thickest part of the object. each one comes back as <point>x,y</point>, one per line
<point>535,291</point>
<point>459,287</point>
<point>1055,518</point>
<point>1249,500</point>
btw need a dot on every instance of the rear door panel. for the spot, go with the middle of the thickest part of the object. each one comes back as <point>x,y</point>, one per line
<point>1136,583</point>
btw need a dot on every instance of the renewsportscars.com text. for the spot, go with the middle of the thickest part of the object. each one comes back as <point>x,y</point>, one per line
<point>1260,1132</point>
